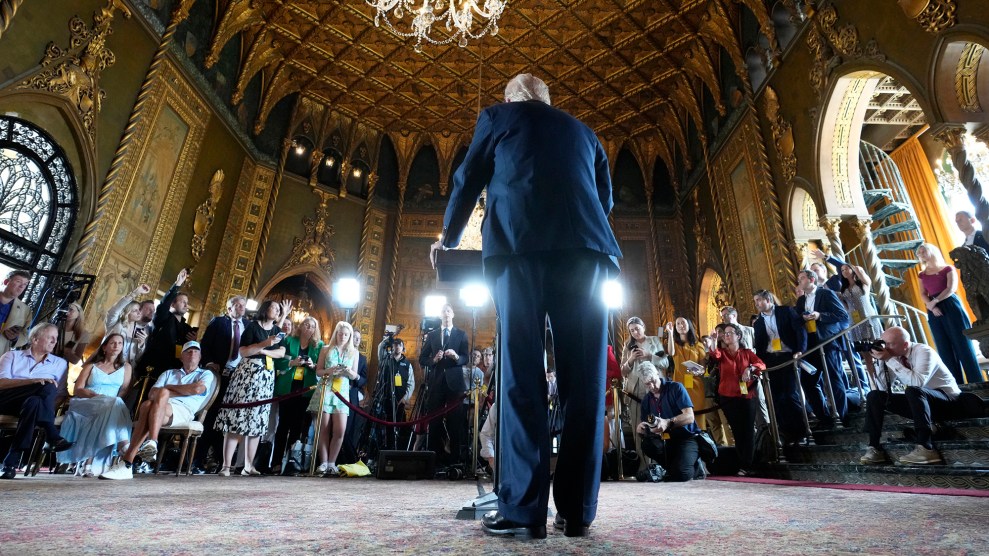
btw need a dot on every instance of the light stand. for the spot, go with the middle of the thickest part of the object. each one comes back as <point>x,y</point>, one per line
<point>474,296</point>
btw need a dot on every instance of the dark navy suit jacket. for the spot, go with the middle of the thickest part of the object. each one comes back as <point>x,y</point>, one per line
<point>549,187</point>
<point>791,330</point>
<point>216,340</point>
<point>833,314</point>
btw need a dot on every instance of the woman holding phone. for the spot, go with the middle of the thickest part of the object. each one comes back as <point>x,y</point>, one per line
<point>302,348</point>
<point>337,366</point>
<point>253,380</point>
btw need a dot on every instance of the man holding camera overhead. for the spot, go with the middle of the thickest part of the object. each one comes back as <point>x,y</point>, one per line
<point>931,394</point>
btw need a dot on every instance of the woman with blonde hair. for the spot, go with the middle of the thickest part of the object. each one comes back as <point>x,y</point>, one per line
<point>74,335</point>
<point>945,315</point>
<point>302,349</point>
<point>337,366</point>
<point>124,318</point>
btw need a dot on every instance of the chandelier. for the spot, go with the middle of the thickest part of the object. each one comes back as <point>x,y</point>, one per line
<point>463,19</point>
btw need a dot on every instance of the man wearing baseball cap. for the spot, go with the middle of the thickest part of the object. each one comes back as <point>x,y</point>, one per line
<point>174,400</point>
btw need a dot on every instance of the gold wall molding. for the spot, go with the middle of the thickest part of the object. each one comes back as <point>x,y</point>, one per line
<point>74,72</point>
<point>369,269</point>
<point>831,45</point>
<point>241,236</point>
<point>8,8</point>
<point>205,214</point>
<point>154,176</point>
<point>754,244</point>
<point>967,77</point>
<point>933,15</point>
<point>782,132</point>
<point>314,246</point>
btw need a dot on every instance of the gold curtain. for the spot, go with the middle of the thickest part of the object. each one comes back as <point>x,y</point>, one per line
<point>928,205</point>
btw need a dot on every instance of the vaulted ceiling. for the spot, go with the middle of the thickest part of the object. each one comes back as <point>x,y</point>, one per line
<point>627,68</point>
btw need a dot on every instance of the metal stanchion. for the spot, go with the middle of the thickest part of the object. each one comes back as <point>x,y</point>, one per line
<point>616,400</point>
<point>803,401</point>
<point>144,390</point>
<point>773,425</point>
<point>476,399</point>
<point>317,426</point>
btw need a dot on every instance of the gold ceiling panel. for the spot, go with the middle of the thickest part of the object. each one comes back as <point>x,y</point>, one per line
<point>616,64</point>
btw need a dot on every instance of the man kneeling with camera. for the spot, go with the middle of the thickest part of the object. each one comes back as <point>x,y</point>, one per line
<point>666,408</point>
<point>930,395</point>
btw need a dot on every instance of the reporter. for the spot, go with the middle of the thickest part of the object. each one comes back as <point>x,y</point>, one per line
<point>124,318</point>
<point>302,350</point>
<point>337,365</point>
<point>930,395</point>
<point>639,350</point>
<point>669,404</point>
<point>738,371</point>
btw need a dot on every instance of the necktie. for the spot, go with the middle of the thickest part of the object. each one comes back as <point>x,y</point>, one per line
<point>235,341</point>
<point>446,337</point>
<point>905,362</point>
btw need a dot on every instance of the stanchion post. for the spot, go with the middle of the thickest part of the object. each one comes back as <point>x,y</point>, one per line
<point>616,399</point>
<point>319,421</point>
<point>144,389</point>
<point>476,398</point>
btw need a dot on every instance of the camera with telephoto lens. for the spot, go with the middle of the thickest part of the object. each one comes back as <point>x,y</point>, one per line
<point>392,330</point>
<point>863,346</point>
<point>653,421</point>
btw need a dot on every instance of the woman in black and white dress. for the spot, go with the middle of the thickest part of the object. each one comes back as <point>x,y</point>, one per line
<point>252,380</point>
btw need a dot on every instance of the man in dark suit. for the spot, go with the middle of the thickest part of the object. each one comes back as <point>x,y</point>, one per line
<point>355,423</point>
<point>780,337</point>
<point>548,249</point>
<point>445,353</point>
<point>966,223</point>
<point>824,317</point>
<point>221,354</point>
<point>169,331</point>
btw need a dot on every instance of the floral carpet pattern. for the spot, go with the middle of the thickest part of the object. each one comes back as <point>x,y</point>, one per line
<point>58,514</point>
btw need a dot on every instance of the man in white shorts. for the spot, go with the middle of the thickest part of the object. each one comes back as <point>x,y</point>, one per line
<point>174,400</point>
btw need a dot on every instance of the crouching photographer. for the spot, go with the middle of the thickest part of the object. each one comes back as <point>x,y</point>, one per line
<point>668,411</point>
<point>931,394</point>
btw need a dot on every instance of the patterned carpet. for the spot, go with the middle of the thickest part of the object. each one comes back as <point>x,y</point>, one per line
<point>239,515</point>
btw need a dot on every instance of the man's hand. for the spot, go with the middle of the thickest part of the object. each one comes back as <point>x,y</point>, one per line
<point>814,315</point>
<point>191,336</point>
<point>44,381</point>
<point>436,246</point>
<point>180,279</point>
<point>12,332</point>
<point>642,428</point>
<point>882,355</point>
<point>451,354</point>
<point>818,254</point>
<point>437,357</point>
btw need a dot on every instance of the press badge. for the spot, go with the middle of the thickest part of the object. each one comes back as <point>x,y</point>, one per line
<point>743,388</point>
<point>398,381</point>
<point>299,372</point>
<point>776,344</point>
<point>688,381</point>
<point>269,363</point>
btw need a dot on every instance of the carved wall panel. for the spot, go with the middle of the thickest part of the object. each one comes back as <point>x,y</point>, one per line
<point>239,248</point>
<point>372,259</point>
<point>154,179</point>
<point>750,221</point>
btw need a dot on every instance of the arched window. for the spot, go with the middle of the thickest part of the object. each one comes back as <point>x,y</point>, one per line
<point>38,202</point>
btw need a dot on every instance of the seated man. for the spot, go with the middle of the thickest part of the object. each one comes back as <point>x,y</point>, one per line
<point>668,403</point>
<point>31,382</point>
<point>174,400</point>
<point>930,395</point>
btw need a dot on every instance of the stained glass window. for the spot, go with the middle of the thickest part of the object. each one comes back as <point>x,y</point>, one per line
<point>38,202</point>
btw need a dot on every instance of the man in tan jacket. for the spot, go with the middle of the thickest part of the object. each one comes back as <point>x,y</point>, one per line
<point>15,315</point>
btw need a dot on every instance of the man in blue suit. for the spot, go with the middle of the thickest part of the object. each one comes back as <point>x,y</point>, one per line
<point>824,317</point>
<point>547,250</point>
<point>780,337</point>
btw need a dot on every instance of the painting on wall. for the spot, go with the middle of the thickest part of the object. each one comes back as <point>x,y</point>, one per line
<point>748,218</point>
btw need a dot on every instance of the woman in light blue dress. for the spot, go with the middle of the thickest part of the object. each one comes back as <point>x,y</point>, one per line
<point>336,367</point>
<point>97,420</point>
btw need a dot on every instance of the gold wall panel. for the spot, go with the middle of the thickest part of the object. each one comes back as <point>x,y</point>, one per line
<point>142,213</point>
<point>371,259</point>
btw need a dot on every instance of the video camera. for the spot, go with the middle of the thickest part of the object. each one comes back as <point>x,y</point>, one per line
<point>392,330</point>
<point>863,346</point>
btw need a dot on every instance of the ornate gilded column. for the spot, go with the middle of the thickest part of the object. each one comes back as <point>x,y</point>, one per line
<point>403,182</point>
<point>7,10</point>
<point>952,137</point>
<point>269,216</point>
<point>179,15</point>
<point>830,225</point>
<point>874,265</point>
<point>364,265</point>
<point>665,301</point>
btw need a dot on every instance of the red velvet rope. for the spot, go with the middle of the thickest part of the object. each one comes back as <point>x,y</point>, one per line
<point>288,396</point>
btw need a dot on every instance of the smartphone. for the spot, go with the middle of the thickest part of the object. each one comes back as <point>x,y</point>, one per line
<point>281,336</point>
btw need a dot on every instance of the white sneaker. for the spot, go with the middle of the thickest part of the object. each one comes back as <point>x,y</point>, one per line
<point>88,472</point>
<point>332,470</point>
<point>873,456</point>
<point>119,471</point>
<point>921,456</point>
<point>323,468</point>
<point>148,451</point>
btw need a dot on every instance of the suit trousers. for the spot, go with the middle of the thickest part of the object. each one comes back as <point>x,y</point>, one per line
<point>814,386</point>
<point>786,397</point>
<point>34,405</point>
<point>923,405</point>
<point>566,286</point>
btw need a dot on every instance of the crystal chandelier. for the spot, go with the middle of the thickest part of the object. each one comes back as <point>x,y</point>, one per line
<point>463,18</point>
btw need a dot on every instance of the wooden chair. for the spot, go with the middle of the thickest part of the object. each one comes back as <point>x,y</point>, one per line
<point>35,456</point>
<point>192,430</point>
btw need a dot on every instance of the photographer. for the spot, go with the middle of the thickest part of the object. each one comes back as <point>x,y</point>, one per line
<point>395,370</point>
<point>639,350</point>
<point>931,393</point>
<point>672,412</point>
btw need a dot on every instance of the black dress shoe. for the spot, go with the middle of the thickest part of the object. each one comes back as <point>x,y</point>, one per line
<point>8,472</point>
<point>60,445</point>
<point>560,523</point>
<point>496,524</point>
